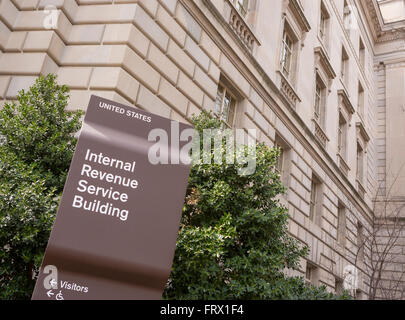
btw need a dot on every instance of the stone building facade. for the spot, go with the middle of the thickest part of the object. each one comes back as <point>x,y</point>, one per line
<point>312,77</point>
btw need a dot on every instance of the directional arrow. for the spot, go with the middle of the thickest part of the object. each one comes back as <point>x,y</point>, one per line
<point>50,293</point>
<point>53,283</point>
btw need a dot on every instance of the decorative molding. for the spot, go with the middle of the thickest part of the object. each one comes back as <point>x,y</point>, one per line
<point>345,101</point>
<point>288,91</point>
<point>298,12</point>
<point>361,130</point>
<point>396,65</point>
<point>382,32</point>
<point>241,28</point>
<point>322,59</point>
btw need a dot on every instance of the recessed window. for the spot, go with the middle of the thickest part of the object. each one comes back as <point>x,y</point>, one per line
<point>360,163</point>
<point>341,230</point>
<point>315,201</point>
<point>362,53</point>
<point>311,274</point>
<point>344,70</point>
<point>339,288</point>
<point>360,242</point>
<point>342,136</point>
<point>225,104</point>
<point>283,161</point>
<point>360,295</point>
<point>360,101</point>
<point>286,53</point>
<point>320,101</point>
<point>324,25</point>
<point>280,160</point>
<point>347,16</point>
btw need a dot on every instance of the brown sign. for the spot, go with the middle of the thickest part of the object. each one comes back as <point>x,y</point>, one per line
<point>115,232</point>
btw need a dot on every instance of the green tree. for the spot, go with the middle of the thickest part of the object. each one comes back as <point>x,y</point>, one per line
<point>36,147</point>
<point>233,240</point>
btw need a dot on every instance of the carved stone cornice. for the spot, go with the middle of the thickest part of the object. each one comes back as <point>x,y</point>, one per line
<point>345,101</point>
<point>322,59</point>
<point>381,32</point>
<point>361,130</point>
<point>299,15</point>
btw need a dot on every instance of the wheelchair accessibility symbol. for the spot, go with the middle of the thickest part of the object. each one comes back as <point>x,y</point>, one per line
<point>59,296</point>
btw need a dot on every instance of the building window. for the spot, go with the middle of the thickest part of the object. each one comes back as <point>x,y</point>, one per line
<point>347,16</point>
<point>324,25</point>
<point>311,274</point>
<point>280,160</point>
<point>362,53</point>
<point>339,288</point>
<point>225,104</point>
<point>341,230</point>
<point>320,99</point>
<point>241,6</point>
<point>342,136</point>
<point>360,295</point>
<point>361,160</point>
<point>360,163</point>
<point>283,163</point>
<point>344,69</point>
<point>315,201</point>
<point>360,101</point>
<point>286,53</point>
<point>360,242</point>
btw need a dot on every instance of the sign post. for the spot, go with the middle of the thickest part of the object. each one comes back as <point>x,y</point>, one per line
<point>116,228</point>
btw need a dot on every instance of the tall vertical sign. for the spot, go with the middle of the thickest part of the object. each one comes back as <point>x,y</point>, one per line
<point>115,232</point>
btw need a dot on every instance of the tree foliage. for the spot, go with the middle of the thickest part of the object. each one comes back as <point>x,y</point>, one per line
<point>233,241</point>
<point>36,147</point>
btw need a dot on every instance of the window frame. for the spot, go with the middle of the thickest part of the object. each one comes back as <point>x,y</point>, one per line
<point>231,108</point>
<point>312,201</point>
<point>360,100</point>
<point>320,101</point>
<point>360,162</point>
<point>281,158</point>
<point>315,208</point>
<point>311,274</point>
<point>339,286</point>
<point>362,53</point>
<point>342,136</point>
<point>360,241</point>
<point>287,53</point>
<point>344,67</point>
<point>346,15</point>
<point>284,161</point>
<point>342,225</point>
<point>323,25</point>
